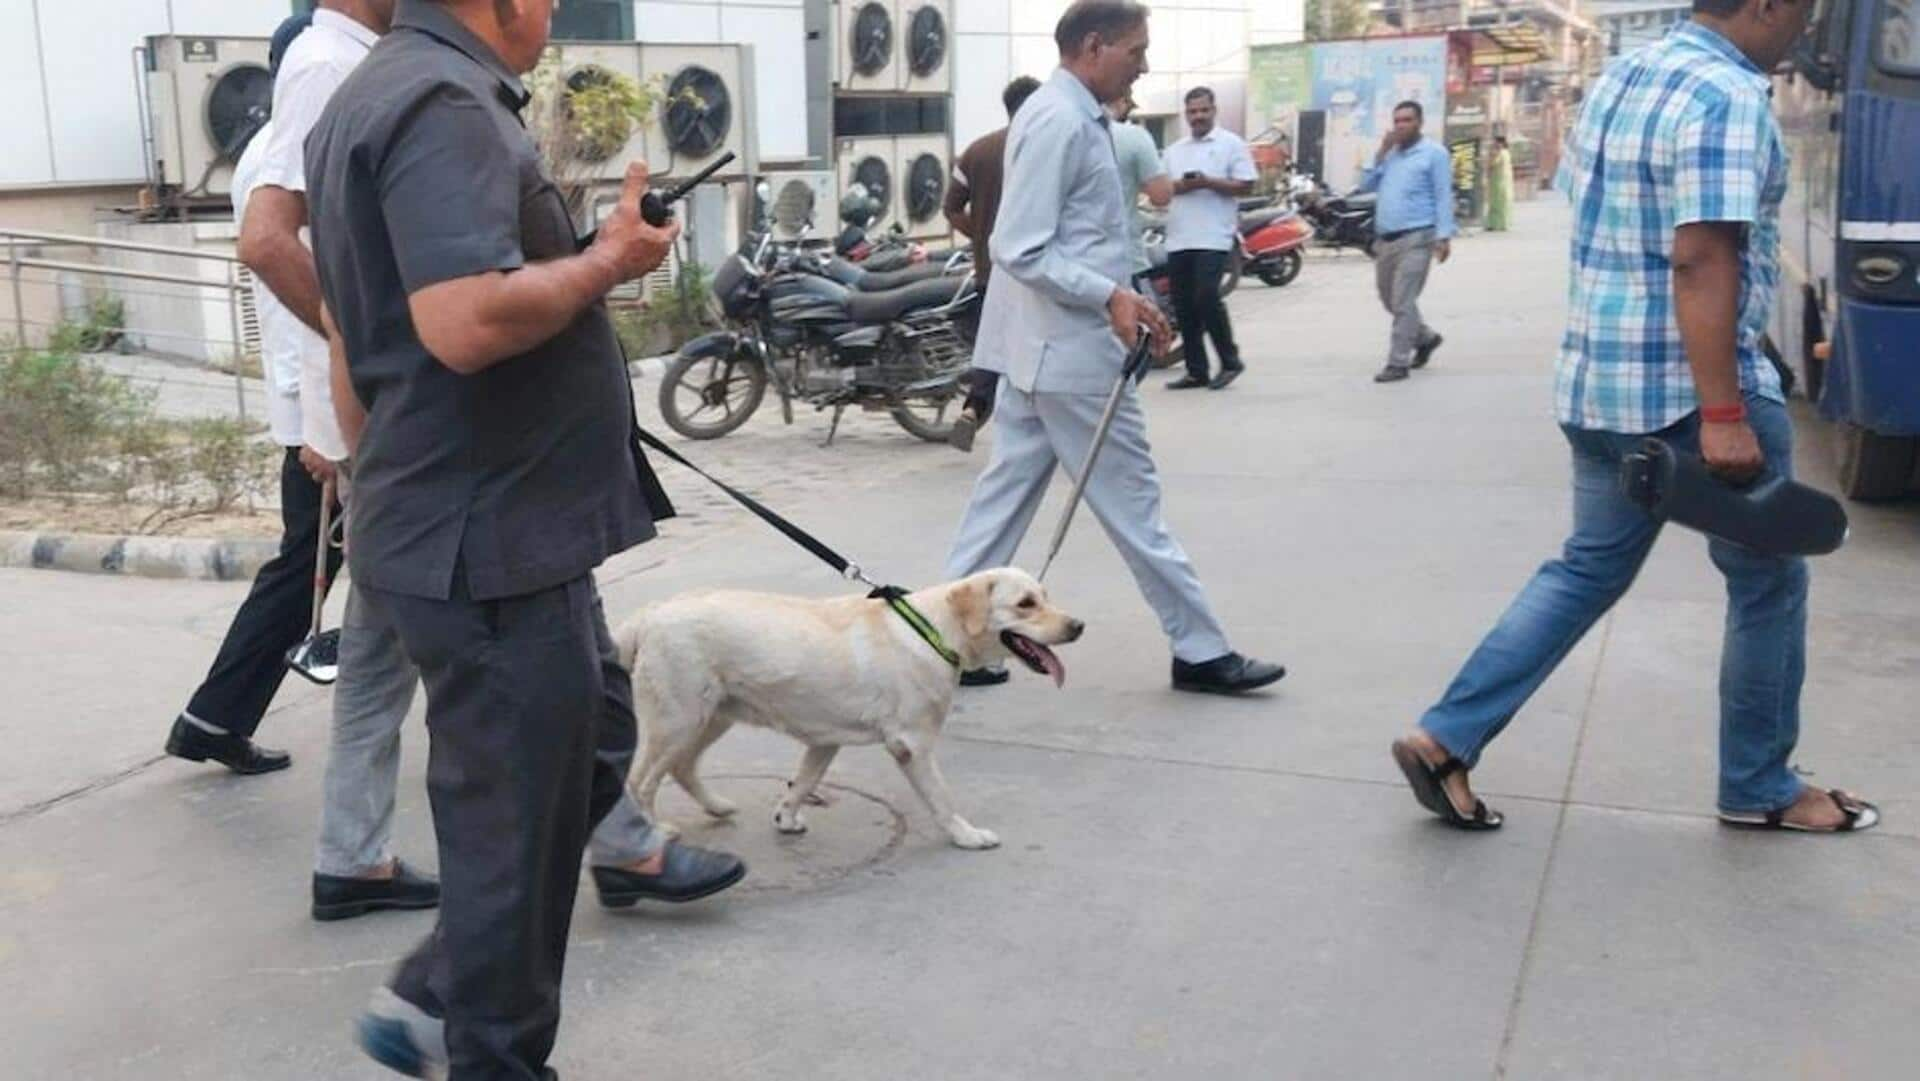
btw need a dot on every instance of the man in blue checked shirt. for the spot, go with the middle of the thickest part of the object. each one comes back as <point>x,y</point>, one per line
<point>1414,226</point>
<point>1676,171</point>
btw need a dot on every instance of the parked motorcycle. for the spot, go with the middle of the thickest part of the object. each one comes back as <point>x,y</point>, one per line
<point>823,342</point>
<point>1341,221</point>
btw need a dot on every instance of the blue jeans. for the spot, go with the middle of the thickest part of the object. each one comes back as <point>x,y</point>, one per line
<point>1762,662</point>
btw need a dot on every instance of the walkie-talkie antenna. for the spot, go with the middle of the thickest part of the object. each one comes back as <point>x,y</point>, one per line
<point>656,207</point>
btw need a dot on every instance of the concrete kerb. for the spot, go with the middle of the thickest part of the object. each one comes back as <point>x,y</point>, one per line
<point>205,558</point>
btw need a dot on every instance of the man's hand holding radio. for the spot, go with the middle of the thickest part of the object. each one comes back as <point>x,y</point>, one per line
<point>631,247</point>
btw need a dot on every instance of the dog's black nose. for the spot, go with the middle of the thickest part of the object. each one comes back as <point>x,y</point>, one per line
<point>1075,628</point>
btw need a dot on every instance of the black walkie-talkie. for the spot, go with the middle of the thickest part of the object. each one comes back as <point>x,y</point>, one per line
<point>656,207</point>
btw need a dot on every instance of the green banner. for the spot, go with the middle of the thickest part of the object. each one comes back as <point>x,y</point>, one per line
<point>1279,85</point>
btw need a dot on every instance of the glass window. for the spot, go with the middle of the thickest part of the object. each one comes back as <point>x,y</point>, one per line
<point>1900,36</point>
<point>593,20</point>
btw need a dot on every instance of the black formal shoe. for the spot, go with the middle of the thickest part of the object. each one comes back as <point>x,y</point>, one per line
<point>1229,674</point>
<point>1390,374</point>
<point>340,897</point>
<point>1186,382</point>
<point>237,753</point>
<point>1425,352</point>
<point>687,874</point>
<point>1226,376</point>
<point>985,677</point>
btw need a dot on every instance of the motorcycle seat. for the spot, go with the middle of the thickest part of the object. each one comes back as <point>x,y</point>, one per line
<point>1258,219</point>
<point>867,307</point>
<point>876,281</point>
<point>1360,200</point>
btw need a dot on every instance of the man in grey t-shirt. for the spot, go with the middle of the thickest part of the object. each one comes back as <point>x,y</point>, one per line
<point>1141,173</point>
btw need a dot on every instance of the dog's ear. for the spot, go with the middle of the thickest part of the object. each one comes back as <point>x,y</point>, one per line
<point>970,601</point>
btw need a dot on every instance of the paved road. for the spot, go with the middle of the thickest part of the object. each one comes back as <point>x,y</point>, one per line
<point>1188,889</point>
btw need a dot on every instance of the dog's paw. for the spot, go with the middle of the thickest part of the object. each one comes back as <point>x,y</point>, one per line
<point>974,838</point>
<point>719,807</point>
<point>788,820</point>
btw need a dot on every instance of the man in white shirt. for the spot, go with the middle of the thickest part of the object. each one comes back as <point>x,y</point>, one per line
<point>1211,169</point>
<point>355,872</point>
<point>220,718</point>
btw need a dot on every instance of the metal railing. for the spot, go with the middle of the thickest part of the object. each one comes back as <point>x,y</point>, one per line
<point>19,247</point>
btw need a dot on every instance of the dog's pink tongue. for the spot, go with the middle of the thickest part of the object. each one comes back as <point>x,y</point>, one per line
<point>1052,664</point>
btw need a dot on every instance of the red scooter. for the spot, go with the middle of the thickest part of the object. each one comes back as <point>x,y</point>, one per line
<point>1272,242</point>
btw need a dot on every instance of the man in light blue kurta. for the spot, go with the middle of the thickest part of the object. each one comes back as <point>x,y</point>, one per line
<point>1058,314</point>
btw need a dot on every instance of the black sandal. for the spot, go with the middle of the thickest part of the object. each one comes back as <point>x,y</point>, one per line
<point>1426,781</point>
<point>1857,813</point>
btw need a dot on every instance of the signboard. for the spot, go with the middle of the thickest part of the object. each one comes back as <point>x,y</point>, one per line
<point>1358,83</point>
<point>1279,84</point>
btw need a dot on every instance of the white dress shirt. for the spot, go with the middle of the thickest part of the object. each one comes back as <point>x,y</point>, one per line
<point>279,328</point>
<point>1206,220</point>
<point>315,65</point>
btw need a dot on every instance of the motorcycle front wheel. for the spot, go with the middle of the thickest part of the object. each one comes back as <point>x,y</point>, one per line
<point>705,397</point>
<point>1282,270</point>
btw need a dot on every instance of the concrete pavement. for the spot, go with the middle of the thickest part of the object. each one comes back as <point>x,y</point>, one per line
<point>1188,888</point>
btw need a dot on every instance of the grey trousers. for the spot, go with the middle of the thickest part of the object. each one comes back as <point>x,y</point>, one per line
<point>370,702</point>
<point>1400,272</point>
<point>1034,432</point>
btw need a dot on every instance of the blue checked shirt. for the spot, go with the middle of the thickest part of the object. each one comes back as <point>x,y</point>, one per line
<point>1679,131</point>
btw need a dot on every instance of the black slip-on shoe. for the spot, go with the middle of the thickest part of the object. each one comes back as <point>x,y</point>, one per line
<point>1390,374</point>
<point>1226,377</point>
<point>341,897</point>
<point>1186,382</point>
<point>1424,353</point>
<point>1229,674</point>
<point>985,677</point>
<point>237,753</point>
<point>687,874</point>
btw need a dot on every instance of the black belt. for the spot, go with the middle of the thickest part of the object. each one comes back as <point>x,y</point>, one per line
<point>1398,233</point>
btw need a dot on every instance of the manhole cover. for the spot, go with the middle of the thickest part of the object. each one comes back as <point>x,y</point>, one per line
<point>854,831</point>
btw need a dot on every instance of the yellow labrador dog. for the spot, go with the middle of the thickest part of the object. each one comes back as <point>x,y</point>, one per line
<point>829,673</point>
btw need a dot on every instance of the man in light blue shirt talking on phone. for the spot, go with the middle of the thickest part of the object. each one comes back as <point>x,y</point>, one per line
<point>1413,225</point>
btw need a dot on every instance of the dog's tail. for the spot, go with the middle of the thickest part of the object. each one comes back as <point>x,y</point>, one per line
<point>626,640</point>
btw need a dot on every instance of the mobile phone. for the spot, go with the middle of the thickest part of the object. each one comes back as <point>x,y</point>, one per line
<point>1190,174</point>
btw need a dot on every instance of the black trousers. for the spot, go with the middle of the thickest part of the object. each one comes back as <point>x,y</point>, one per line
<point>980,386</point>
<point>1195,274</point>
<point>252,661</point>
<point>530,735</point>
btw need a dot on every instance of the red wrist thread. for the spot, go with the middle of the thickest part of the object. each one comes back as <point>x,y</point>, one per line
<point>1723,414</point>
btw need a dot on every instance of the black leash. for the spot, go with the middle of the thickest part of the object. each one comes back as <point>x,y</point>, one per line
<point>895,596</point>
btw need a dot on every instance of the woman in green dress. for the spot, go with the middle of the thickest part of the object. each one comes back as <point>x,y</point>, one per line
<point>1499,186</point>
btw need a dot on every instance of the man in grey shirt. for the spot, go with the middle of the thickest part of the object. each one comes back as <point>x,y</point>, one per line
<point>1061,314</point>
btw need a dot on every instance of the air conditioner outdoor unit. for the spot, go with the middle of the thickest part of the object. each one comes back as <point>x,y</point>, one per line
<point>923,169</point>
<point>801,204</point>
<point>869,46</point>
<point>206,98</point>
<point>926,46</point>
<point>706,110</point>
<point>581,65</point>
<point>869,160</point>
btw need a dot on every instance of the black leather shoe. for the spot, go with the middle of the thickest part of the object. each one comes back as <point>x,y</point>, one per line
<point>985,677</point>
<point>1226,376</point>
<point>1186,382</point>
<point>1231,674</point>
<point>237,753</point>
<point>687,874</point>
<point>339,897</point>
<point>1390,374</point>
<point>1424,353</point>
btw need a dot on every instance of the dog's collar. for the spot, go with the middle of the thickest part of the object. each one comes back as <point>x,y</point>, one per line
<point>896,599</point>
